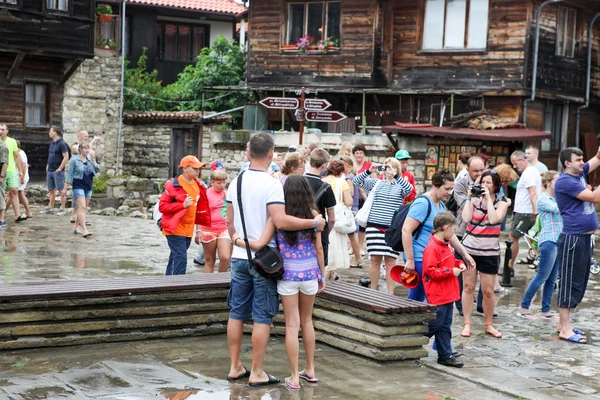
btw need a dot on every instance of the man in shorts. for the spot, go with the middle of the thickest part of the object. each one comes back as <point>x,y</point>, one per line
<point>525,211</point>
<point>252,296</point>
<point>3,167</point>
<point>576,204</point>
<point>58,156</point>
<point>14,173</point>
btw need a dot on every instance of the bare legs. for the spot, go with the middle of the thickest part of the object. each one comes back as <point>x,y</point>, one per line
<point>52,194</point>
<point>223,246</point>
<point>25,202</point>
<point>298,313</point>
<point>389,263</point>
<point>355,247</point>
<point>13,197</point>
<point>374,271</point>
<point>82,204</point>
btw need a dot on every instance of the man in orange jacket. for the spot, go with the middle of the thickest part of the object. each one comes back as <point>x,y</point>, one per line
<point>183,204</point>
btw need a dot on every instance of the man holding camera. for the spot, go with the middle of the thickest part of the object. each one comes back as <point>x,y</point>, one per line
<point>528,190</point>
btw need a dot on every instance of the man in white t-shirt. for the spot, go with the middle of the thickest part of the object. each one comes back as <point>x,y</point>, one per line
<point>251,295</point>
<point>528,190</point>
<point>531,154</point>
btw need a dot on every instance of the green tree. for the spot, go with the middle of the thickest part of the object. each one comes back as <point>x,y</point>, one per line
<point>221,64</point>
<point>142,87</point>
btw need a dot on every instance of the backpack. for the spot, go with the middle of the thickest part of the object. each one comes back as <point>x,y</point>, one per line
<point>393,235</point>
<point>451,204</point>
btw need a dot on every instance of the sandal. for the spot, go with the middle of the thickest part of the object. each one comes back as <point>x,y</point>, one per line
<point>356,265</point>
<point>492,332</point>
<point>526,260</point>
<point>466,332</point>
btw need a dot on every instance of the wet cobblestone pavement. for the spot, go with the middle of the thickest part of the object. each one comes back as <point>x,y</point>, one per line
<point>528,362</point>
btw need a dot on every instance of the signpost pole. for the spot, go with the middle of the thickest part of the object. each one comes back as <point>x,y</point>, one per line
<point>301,113</point>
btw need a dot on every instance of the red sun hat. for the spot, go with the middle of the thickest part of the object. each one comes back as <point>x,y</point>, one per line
<point>410,281</point>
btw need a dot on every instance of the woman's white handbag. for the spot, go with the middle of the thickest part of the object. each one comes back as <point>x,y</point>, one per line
<point>344,219</point>
<point>362,216</point>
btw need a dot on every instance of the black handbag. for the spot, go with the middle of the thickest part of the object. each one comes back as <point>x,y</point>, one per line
<point>267,261</point>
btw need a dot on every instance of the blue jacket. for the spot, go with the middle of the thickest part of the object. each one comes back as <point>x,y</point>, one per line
<point>76,168</point>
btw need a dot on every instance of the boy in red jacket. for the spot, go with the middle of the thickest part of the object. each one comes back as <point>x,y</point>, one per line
<point>440,279</point>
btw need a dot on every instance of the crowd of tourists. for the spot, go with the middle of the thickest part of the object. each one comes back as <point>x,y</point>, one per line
<point>315,213</point>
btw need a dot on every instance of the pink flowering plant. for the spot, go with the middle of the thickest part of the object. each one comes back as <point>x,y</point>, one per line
<point>304,43</point>
<point>324,44</point>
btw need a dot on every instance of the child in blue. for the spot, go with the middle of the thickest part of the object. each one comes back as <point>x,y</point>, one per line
<point>440,280</point>
<point>304,268</point>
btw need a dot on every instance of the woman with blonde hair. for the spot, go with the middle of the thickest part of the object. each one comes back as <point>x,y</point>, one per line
<point>350,174</point>
<point>338,257</point>
<point>388,194</point>
<point>292,165</point>
<point>345,149</point>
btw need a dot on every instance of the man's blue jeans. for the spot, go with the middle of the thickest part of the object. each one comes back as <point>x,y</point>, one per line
<point>546,275</point>
<point>178,257</point>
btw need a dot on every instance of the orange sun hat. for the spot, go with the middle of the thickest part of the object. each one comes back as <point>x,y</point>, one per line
<point>409,280</point>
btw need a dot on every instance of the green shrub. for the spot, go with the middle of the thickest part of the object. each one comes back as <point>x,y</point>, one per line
<point>99,184</point>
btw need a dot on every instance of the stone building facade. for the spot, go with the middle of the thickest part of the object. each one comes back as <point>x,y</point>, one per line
<point>92,97</point>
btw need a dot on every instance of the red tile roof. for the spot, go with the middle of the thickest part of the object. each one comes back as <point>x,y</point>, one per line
<point>220,6</point>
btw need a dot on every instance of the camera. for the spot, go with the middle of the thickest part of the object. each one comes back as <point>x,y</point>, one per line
<point>381,168</point>
<point>477,191</point>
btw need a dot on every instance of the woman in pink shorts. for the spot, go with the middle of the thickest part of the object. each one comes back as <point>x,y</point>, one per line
<point>216,237</point>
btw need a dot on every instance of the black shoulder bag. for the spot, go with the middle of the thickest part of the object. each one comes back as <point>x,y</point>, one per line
<point>267,261</point>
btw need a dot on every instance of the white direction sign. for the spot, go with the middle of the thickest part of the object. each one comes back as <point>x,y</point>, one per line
<point>316,104</point>
<point>282,103</point>
<point>324,116</point>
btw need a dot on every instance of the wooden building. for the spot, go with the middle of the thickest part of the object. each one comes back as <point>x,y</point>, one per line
<point>41,44</point>
<point>423,61</point>
<point>174,31</point>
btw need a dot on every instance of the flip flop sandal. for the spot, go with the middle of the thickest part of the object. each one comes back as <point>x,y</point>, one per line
<point>494,332</point>
<point>526,260</point>
<point>21,218</point>
<point>272,381</point>
<point>527,315</point>
<point>468,330</point>
<point>307,378</point>
<point>576,331</point>
<point>245,374</point>
<point>576,338</point>
<point>356,265</point>
<point>290,385</point>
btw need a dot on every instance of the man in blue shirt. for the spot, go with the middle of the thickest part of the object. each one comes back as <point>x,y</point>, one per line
<point>58,156</point>
<point>575,202</point>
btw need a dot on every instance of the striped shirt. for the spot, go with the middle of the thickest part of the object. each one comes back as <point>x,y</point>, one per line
<point>551,220</point>
<point>388,197</point>
<point>481,238</point>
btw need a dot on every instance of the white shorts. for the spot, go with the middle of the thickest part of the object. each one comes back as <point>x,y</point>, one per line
<point>24,185</point>
<point>290,288</point>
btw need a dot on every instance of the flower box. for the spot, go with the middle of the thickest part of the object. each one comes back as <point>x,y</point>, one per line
<point>105,17</point>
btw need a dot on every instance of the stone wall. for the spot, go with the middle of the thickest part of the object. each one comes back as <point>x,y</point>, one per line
<point>230,148</point>
<point>92,98</point>
<point>146,150</point>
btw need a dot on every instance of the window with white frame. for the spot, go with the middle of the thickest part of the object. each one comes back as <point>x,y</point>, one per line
<point>553,123</point>
<point>36,104</point>
<point>57,5</point>
<point>8,2</point>
<point>318,20</point>
<point>566,24</point>
<point>455,25</point>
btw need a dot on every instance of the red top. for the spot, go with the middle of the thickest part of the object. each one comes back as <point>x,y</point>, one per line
<point>171,205</point>
<point>411,179</point>
<point>366,166</point>
<point>441,286</point>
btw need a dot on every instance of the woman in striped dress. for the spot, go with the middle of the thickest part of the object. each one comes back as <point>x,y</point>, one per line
<point>389,195</point>
<point>484,219</point>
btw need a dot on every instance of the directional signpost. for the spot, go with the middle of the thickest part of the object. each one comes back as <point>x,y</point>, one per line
<point>282,103</point>
<point>324,116</point>
<point>316,104</point>
<point>312,110</point>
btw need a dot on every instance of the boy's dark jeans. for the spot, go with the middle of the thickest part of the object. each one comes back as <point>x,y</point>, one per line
<point>441,329</point>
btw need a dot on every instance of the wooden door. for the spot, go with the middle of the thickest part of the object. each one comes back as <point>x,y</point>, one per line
<point>184,142</point>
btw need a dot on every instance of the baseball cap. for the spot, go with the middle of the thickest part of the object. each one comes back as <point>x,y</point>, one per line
<point>402,155</point>
<point>216,165</point>
<point>408,280</point>
<point>191,161</point>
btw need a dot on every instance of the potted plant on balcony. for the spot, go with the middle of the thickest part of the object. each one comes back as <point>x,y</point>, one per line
<point>104,12</point>
<point>305,44</point>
